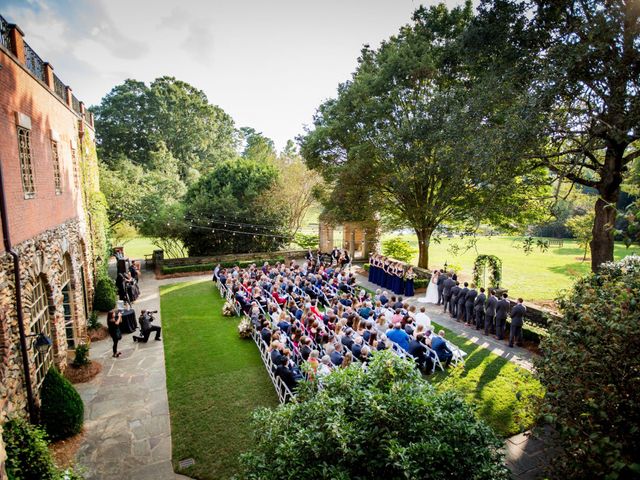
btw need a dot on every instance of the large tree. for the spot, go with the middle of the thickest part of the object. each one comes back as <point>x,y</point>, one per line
<point>401,136</point>
<point>572,71</point>
<point>133,119</point>
<point>228,210</point>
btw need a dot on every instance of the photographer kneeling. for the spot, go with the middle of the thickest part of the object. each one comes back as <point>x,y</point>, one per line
<point>145,320</point>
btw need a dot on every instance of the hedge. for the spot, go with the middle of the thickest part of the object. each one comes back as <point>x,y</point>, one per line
<point>530,332</point>
<point>205,267</point>
<point>62,410</point>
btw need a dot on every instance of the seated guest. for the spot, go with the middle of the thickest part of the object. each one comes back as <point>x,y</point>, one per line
<point>314,363</point>
<point>384,298</point>
<point>305,347</point>
<point>335,354</point>
<point>439,345</point>
<point>356,347</point>
<point>346,361</point>
<point>326,366</point>
<point>284,324</point>
<point>347,338</point>
<point>365,354</point>
<point>418,350</point>
<point>286,373</point>
<point>275,353</point>
<point>423,319</point>
<point>399,336</point>
<point>398,304</point>
<point>265,333</point>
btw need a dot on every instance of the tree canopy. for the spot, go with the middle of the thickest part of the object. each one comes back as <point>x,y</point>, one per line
<point>134,119</point>
<point>402,138</point>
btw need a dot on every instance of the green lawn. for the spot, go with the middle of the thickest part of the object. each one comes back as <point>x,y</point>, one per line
<point>537,276</point>
<point>505,395</point>
<point>214,380</point>
<point>139,247</point>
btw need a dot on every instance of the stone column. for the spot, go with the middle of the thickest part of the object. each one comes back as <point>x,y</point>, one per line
<point>69,92</point>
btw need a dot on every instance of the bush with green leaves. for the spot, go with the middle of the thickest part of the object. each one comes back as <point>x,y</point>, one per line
<point>81,357</point>
<point>61,409</point>
<point>28,456</point>
<point>93,322</point>
<point>105,295</point>
<point>386,422</point>
<point>398,249</point>
<point>591,370</point>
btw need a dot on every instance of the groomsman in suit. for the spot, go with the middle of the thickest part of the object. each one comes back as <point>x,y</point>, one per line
<point>462,298</point>
<point>490,313</point>
<point>502,310</point>
<point>453,301</point>
<point>446,291</point>
<point>441,279</point>
<point>478,308</point>
<point>517,320</point>
<point>469,302</point>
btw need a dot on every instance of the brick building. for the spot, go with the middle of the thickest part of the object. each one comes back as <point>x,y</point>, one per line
<point>49,181</point>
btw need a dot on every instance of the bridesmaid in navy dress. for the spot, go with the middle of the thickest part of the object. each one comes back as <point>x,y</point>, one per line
<point>396,286</point>
<point>371,268</point>
<point>408,282</point>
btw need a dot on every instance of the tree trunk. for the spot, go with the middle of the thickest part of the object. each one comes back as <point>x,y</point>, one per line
<point>602,243</point>
<point>424,238</point>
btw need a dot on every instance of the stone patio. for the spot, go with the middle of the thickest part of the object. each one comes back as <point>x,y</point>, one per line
<point>127,427</point>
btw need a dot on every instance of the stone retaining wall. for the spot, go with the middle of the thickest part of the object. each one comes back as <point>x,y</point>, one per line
<point>160,261</point>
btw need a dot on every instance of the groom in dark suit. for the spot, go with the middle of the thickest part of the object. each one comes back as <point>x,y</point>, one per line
<point>441,279</point>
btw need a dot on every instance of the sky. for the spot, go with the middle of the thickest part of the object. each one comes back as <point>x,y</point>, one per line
<point>268,63</point>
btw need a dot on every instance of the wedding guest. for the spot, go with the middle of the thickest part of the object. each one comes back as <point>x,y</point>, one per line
<point>114,319</point>
<point>490,313</point>
<point>517,320</point>
<point>502,310</point>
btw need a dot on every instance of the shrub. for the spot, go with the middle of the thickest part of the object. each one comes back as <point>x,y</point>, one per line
<point>385,422</point>
<point>81,355</point>
<point>399,249</point>
<point>421,282</point>
<point>590,368</point>
<point>105,296</point>
<point>28,456</point>
<point>531,332</point>
<point>93,322</point>
<point>62,410</point>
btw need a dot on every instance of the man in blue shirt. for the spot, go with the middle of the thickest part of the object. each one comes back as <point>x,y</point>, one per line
<point>399,336</point>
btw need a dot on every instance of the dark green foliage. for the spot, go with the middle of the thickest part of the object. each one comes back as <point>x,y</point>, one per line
<point>81,355</point>
<point>530,332</point>
<point>105,296</point>
<point>386,422</point>
<point>28,457</point>
<point>591,368</point>
<point>228,211</point>
<point>61,410</point>
<point>491,262</point>
<point>205,267</point>
<point>93,322</point>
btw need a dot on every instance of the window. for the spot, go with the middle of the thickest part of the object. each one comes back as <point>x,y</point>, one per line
<point>74,161</point>
<point>41,323</point>
<point>57,178</point>
<point>26,165</point>
<point>67,303</point>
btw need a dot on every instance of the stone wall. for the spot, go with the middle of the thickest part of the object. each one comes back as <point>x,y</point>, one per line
<point>160,261</point>
<point>42,255</point>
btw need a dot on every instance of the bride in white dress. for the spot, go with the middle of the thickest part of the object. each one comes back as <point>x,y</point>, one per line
<point>432,290</point>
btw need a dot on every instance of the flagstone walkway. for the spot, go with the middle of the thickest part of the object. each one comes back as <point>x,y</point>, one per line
<point>127,428</point>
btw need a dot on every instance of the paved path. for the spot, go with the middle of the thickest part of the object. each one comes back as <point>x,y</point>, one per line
<point>517,355</point>
<point>127,429</point>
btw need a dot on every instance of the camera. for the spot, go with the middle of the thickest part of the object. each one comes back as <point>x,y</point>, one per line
<point>152,311</point>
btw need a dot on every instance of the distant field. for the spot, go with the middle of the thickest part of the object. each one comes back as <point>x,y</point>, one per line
<point>537,276</point>
<point>139,247</point>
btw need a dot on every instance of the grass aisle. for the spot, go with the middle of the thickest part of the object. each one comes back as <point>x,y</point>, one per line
<point>214,380</point>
